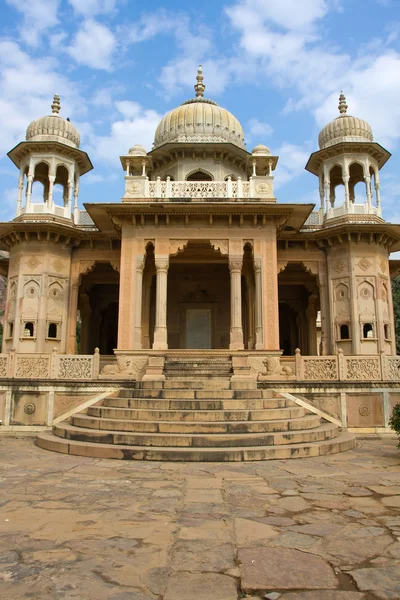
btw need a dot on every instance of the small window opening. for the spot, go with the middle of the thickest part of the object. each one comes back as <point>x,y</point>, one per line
<point>387,331</point>
<point>10,330</point>
<point>344,332</point>
<point>52,332</point>
<point>199,176</point>
<point>368,331</point>
<point>28,330</point>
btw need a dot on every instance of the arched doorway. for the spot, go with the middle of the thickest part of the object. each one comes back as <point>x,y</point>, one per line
<point>98,307</point>
<point>299,304</point>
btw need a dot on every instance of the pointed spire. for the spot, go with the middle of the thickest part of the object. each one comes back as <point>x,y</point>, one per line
<point>56,106</point>
<point>342,105</point>
<point>199,87</point>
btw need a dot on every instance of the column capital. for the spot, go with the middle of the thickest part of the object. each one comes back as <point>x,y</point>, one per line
<point>140,263</point>
<point>257,265</point>
<point>235,264</point>
<point>162,264</point>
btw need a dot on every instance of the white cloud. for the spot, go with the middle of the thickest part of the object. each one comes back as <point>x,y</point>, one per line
<point>90,8</point>
<point>136,127</point>
<point>292,160</point>
<point>93,45</point>
<point>27,87</point>
<point>258,128</point>
<point>8,204</point>
<point>38,16</point>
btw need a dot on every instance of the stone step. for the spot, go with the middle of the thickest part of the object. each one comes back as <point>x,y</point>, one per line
<point>48,441</point>
<point>219,383</point>
<point>197,415</point>
<point>178,393</point>
<point>195,440</point>
<point>178,404</point>
<point>92,422</point>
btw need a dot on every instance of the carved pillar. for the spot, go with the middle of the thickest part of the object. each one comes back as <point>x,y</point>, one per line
<point>258,305</point>
<point>270,288</point>
<point>312,325</point>
<point>346,179</point>
<point>138,302</point>
<point>236,332</point>
<point>126,314</point>
<point>86,313</point>
<point>20,190</point>
<point>160,331</point>
<point>50,195</point>
<point>326,345</point>
<point>367,179</point>
<point>72,309</point>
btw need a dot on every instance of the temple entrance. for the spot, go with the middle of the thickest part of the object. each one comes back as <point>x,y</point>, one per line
<point>98,307</point>
<point>198,328</point>
<point>298,310</point>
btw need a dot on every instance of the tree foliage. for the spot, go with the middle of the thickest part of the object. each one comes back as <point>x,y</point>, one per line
<point>396,306</point>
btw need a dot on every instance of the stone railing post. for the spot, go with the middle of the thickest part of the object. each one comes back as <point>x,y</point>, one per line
<point>11,364</point>
<point>382,357</point>
<point>341,365</point>
<point>53,364</point>
<point>96,363</point>
<point>299,365</point>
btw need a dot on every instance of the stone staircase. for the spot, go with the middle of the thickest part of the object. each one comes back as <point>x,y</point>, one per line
<point>202,419</point>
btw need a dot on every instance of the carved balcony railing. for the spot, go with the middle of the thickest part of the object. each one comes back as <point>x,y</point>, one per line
<point>141,188</point>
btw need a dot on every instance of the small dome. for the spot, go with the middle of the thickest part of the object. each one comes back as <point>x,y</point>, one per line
<point>345,129</point>
<point>53,128</point>
<point>261,150</point>
<point>137,150</point>
<point>199,120</point>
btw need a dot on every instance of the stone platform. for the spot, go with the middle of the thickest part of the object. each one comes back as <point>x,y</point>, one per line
<point>196,420</point>
<point>75,528</point>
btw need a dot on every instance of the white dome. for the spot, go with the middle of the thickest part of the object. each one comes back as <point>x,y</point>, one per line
<point>199,120</point>
<point>345,128</point>
<point>261,150</point>
<point>137,150</point>
<point>53,128</point>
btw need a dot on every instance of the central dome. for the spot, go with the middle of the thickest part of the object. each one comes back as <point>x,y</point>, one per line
<point>199,120</point>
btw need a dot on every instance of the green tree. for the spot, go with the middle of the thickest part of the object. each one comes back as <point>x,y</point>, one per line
<point>396,306</point>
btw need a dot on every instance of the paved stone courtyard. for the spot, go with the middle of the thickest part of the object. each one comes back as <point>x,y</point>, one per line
<point>76,528</point>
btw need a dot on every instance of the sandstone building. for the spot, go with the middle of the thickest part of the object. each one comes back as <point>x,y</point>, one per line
<point>199,264</point>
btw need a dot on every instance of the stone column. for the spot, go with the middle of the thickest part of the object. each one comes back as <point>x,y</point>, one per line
<point>127,278</point>
<point>138,302</point>
<point>270,300</point>
<point>258,305</point>
<point>236,333</point>
<point>326,344</point>
<point>72,309</point>
<point>160,331</point>
<point>346,179</point>
<point>312,325</point>
<point>86,313</point>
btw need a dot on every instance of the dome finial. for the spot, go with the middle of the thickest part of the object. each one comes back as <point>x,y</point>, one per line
<point>342,105</point>
<point>199,87</point>
<point>56,106</point>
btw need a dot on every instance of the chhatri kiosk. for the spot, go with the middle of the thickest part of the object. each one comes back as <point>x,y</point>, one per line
<point>200,287</point>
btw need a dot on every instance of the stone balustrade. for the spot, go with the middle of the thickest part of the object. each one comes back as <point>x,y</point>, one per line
<point>339,367</point>
<point>139,187</point>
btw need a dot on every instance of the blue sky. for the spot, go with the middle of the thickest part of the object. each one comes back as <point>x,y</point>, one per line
<point>278,65</point>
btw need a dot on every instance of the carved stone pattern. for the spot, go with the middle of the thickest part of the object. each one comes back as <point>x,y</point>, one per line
<point>176,245</point>
<point>393,370</point>
<point>320,369</point>
<point>75,367</point>
<point>58,265</point>
<point>364,410</point>
<point>115,265</point>
<point>339,266</point>
<point>31,291</point>
<point>383,265</point>
<point>236,335</point>
<point>257,366</point>
<point>263,188</point>
<point>364,264</point>
<point>221,245</point>
<point>3,366</point>
<point>35,367</point>
<point>199,189</point>
<point>235,264</point>
<point>127,365</point>
<point>282,266</point>
<point>33,262</point>
<point>162,264</point>
<point>85,266</point>
<point>29,408</point>
<point>365,293</point>
<point>363,369</point>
